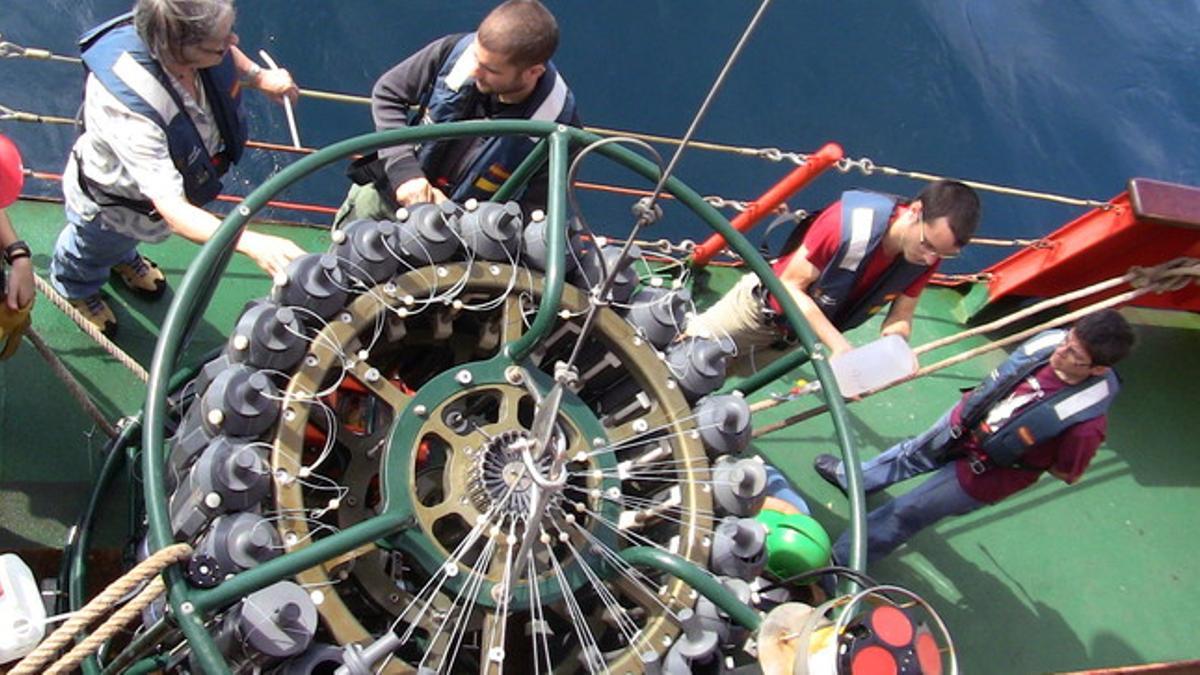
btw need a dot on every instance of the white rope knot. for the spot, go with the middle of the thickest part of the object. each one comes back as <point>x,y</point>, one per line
<point>1165,278</point>
<point>1141,277</point>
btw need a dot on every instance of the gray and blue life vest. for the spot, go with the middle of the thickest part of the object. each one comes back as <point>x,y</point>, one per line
<point>454,98</point>
<point>119,59</point>
<point>865,219</point>
<point>1040,420</point>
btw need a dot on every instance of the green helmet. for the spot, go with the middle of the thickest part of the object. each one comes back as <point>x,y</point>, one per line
<point>796,543</point>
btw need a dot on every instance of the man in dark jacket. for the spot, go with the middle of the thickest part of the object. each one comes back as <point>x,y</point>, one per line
<point>502,71</point>
<point>1044,410</point>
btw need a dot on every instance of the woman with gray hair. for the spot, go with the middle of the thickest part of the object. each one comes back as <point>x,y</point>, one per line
<point>162,122</point>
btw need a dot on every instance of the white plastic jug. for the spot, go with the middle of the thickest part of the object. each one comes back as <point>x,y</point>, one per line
<point>22,614</point>
<point>873,365</point>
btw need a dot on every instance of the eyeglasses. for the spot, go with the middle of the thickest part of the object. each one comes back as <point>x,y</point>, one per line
<point>928,248</point>
<point>1077,354</point>
<point>210,51</point>
<point>206,47</point>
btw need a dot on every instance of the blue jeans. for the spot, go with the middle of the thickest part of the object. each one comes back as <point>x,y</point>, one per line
<point>84,254</point>
<point>908,458</point>
<point>899,519</point>
<point>779,487</point>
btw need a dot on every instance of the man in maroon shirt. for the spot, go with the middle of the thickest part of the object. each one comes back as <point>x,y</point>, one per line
<point>860,254</point>
<point>1043,410</point>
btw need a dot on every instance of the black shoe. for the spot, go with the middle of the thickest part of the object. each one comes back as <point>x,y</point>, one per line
<point>826,467</point>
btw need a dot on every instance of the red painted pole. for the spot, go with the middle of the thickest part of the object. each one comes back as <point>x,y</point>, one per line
<point>817,163</point>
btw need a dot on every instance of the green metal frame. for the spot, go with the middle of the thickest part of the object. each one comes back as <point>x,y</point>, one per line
<point>704,583</point>
<point>189,606</point>
<point>73,576</point>
<point>75,558</point>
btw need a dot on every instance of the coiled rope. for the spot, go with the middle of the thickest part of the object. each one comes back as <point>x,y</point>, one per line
<point>146,570</point>
<point>109,629</point>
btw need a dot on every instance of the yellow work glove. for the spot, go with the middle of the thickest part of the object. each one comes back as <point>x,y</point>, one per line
<point>12,327</point>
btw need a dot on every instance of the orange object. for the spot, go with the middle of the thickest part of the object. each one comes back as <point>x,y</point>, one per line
<point>817,163</point>
<point>1150,224</point>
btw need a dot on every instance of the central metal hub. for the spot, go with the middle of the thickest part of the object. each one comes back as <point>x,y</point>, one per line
<point>516,477</point>
<point>500,479</point>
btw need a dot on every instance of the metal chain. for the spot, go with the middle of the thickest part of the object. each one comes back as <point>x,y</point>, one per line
<point>866,166</point>
<point>777,155</point>
<point>682,248</point>
<point>716,201</point>
<point>719,202</point>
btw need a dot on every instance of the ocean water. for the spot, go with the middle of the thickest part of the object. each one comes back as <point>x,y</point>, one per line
<point>1069,97</point>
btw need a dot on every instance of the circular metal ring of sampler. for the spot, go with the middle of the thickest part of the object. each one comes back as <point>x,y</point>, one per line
<point>353,396</point>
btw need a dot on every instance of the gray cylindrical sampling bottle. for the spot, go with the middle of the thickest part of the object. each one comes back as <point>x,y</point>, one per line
<point>369,250</point>
<point>492,230</point>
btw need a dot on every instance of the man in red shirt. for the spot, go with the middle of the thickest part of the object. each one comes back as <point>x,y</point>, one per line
<point>1043,410</point>
<point>860,254</point>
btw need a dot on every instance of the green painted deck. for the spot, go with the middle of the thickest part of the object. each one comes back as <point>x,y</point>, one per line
<point>1056,578</point>
<point>50,447</point>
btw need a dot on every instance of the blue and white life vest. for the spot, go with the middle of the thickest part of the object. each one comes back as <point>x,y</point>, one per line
<point>865,219</point>
<point>454,98</point>
<point>116,55</point>
<point>1042,419</point>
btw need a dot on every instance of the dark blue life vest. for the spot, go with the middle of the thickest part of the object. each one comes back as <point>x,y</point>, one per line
<point>865,219</point>
<point>454,98</point>
<point>1041,420</point>
<point>116,55</point>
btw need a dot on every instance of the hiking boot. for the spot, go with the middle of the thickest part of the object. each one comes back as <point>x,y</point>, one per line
<point>97,312</point>
<point>142,277</point>
<point>826,467</point>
